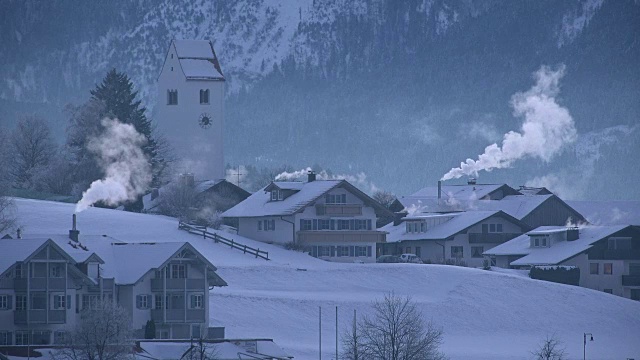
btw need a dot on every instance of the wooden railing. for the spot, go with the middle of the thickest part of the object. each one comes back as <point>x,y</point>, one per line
<point>202,231</point>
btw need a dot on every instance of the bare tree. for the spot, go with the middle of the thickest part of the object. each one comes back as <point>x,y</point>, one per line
<point>7,207</point>
<point>201,350</point>
<point>177,199</point>
<point>103,333</point>
<point>396,331</point>
<point>32,145</point>
<point>385,198</point>
<point>550,349</point>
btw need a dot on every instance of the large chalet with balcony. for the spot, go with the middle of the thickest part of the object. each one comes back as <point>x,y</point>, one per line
<point>608,256</point>
<point>46,283</point>
<point>331,219</point>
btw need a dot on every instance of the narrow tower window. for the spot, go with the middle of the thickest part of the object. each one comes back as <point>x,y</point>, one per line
<point>204,96</point>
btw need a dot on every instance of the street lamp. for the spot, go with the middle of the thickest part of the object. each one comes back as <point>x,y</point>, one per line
<point>584,344</point>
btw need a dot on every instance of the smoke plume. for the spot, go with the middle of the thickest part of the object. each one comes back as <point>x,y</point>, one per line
<point>360,179</point>
<point>127,169</point>
<point>546,129</point>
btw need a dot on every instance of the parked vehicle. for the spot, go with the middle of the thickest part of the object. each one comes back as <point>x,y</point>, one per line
<point>388,259</point>
<point>410,258</point>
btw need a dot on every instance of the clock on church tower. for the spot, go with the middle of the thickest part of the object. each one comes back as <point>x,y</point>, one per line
<point>190,107</point>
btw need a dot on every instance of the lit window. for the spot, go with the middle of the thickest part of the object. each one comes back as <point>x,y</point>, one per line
<point>607,269</point>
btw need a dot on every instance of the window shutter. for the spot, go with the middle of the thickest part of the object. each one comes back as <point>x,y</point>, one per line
<point>352,251</point>
<point>192,301</point>
<point>344,198</point>
<point>369,251</point>
<point>369,224</point>
<point>273,225</point>
<point>314,251</point>
<point>68,301</point>
<point>301,224</point>
<point>9,302</point>
<point>333,224</point>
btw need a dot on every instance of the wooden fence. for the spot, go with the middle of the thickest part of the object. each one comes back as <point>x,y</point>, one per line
<point>202,231</point>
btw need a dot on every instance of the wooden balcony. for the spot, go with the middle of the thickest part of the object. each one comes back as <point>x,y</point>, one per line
<point>309,237</point>
<point>53,284</point>
<point>632,254</point>
<point>491,238</point>
<point>339,209</point>
<point>40,317</point>
<point>630,280</point>
<point>178,315</point>
<point>177,284</point>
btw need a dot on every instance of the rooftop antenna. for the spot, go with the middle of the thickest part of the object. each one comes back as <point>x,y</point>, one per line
<point>238,173</point>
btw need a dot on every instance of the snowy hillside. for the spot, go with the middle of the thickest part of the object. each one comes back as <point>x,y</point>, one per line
<point>485,315</point>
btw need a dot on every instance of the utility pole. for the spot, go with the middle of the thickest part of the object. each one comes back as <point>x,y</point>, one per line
<point>320,332</point>
<point>238,175</point>
<point>336,333</point>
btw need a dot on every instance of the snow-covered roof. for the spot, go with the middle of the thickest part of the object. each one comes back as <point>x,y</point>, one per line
<point>558,251</point>
<point>198,59</point>
<point>458,222</point>
<point>609,212</point>
<point>224,350</point>
<point>260,204</point>
<point>200,186</point>
<point>13,250</point>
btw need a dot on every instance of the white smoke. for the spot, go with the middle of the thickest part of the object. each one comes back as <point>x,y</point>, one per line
<point>359,180</point>
<point>547,128</point>
<point>127,169</point>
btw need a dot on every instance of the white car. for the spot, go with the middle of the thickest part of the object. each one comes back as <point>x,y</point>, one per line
<point>410,258</point>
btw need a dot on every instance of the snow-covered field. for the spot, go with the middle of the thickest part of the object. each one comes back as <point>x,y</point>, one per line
<point>484,314</point>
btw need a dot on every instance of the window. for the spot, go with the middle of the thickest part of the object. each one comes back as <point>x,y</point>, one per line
<point>361,251</point>
<point>175,302</point>
<point>634,269</point>
<point>18,271</point>
<point>21,302</point>
<point>195,331</point>
<point>362,224</point>
<point>59,302</point>
<point>172,96</point>
<point>38,301</point>
<point>335,199</point>
<point>343,251</point>
<point>619,243</point>
<point>196,301</point>
<point>491,228</point>
<point>158,302</point>
<point>178,271</point>
<point>457,252</point>
<point>5,338</point>
<point>305,225</point>
<point>418,252</point>
<point>324,251</point>
<point>543,242</point>
<point>423,226</point>
<point>5,302</point>
<point>55,270</point>
<point>22,338</point>
<point>277,195</point>
<point>499,228</point>
<point>607,269</point>
<point>269,225</point>
<point>41,337</point>
<point>38,270</point>
<point>259,225</point>
<point>162,334</point>
<point>476,251</point>
<point>635,294</point>
<point>90,301</point>
<point>594,268</point>
<point>343,224</point>
<point>204,96</point>
<point>408,251</point>
<point>59,337</point>
<point>143,302</point>
<point>608,291</point>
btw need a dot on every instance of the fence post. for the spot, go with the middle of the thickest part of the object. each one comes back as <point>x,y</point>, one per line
<point>231,242</point>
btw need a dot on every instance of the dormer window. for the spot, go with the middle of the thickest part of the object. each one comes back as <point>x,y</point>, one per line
<point>539,241</point>
<point>277,195</point>
<point>416,227</point>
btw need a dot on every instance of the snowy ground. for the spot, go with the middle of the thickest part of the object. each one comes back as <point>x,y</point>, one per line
<point>484,314</point>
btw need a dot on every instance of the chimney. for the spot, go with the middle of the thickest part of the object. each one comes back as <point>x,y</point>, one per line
<point>187,180</point>
<point>439,189</point>
<point>471,181</point>
<point>572,234</point>
<point>19,233</point>
<point>311,176</point>
<point>397,217</point>
<point>155,193</point>
<point>74,233</point>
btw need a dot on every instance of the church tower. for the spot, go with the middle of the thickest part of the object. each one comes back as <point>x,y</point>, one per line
<point>190,107</point>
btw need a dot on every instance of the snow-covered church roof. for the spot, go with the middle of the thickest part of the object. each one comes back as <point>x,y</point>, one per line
<point>198,60</point>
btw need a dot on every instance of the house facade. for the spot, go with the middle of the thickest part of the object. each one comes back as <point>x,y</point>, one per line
<point>452,237</point>
<point>190,107</point>
<point>45,285</point>
<point>608,257</point>
<point>331,219</point>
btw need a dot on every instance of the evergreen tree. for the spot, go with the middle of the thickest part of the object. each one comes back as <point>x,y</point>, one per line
<point>117,94</point>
